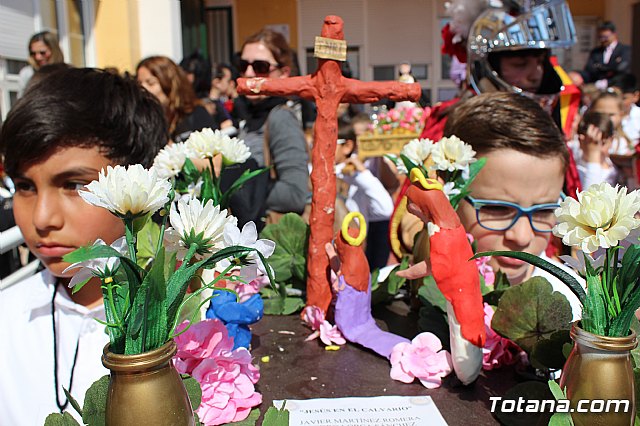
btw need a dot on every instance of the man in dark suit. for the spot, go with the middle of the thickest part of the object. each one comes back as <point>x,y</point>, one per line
<point>608,60</point>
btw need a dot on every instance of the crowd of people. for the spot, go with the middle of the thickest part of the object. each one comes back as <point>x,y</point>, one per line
<point>70,123</point>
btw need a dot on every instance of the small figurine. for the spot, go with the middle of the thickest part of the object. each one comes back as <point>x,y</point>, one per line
<point>454,273</point>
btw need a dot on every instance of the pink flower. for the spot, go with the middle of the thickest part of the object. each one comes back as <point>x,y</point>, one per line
<point>206,339</point>
<point>313,316</point>
<point>423,359</point>
<point>228,391</point>
<point>245,291</point>
<point>482,263</point>
<point>226,376</point>
<point>497,350</point>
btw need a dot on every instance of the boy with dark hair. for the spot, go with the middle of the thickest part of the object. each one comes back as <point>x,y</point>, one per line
<point>628,85</point>
<point>56,139</point>
<point>513,198</point>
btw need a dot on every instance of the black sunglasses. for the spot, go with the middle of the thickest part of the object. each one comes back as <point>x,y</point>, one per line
<point>41,52</point>
<point>259,66</point>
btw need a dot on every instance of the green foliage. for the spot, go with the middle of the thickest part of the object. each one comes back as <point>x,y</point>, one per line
<point>252,420</point>
<point>463,184</point>
<point>95,402</point>
<point>57,419</point>
<point>531,312</point>
<point>549,353</point>
<point>559,419</point>
<point>289,262</point>
<point>557,272</point>
<point>387,289</point>
<point>276,416</point>
<point>193,390</point>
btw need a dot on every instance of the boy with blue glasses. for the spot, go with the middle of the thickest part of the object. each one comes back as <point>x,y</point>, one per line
<point>514,196</point>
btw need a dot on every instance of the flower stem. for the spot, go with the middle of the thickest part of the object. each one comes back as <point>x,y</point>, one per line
<point>216,184</point>
<point>131,238</point>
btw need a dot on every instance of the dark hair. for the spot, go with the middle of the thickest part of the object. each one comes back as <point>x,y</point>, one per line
<point>51,42</point>
<point>346,131</point>
<point>200,67</point>
<point>607,26</point>
<point>277,45</point>
<point>83,107</point>
<point>505,120</point>
<point>219,71</point>
<point>599,119</point>
<point>627,83</point>
<point>44,71</point>
<point>175,86</point>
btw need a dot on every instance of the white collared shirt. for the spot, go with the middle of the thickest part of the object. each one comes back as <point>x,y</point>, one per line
<point>608,51</point>
<point>26,357</point>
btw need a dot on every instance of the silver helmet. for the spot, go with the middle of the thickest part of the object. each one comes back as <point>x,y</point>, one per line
<point>516,26</point>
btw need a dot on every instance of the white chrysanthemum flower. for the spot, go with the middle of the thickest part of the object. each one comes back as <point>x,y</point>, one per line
<point>170,160</point>
<point>248,237</point>
<point>417,150</point>
<point>204,143</point>
<point>97,267</point>
<point>194,223</point>
<point>133,190</point>
<point>601,217</point>
<point>452,154</point>
<point>233,150</point>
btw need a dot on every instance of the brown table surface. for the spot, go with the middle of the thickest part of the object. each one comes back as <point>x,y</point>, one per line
<point>305,370</point>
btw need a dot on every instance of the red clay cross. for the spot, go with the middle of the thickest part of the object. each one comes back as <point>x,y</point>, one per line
<point>327,87</point>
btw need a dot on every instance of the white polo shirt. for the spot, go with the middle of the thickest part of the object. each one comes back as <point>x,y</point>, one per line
<point>26,356</point>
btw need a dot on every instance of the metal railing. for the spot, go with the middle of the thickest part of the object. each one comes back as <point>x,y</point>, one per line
<point>10,239</point>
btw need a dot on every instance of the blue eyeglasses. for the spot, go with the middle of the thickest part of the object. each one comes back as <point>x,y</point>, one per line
<point>497,215</point>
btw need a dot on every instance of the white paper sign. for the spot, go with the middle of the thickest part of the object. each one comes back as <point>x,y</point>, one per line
<point>379,410</point>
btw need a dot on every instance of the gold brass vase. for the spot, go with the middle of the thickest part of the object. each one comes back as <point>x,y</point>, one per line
<point>146,389</point>
<point>599,369</point>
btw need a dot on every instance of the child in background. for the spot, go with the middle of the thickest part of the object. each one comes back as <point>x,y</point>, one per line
<point>628,85</point>
<point>365,194</point>
<point>610,103</point>
<point>595,136</point>
<point>55,141</point>
<point>513,198</point>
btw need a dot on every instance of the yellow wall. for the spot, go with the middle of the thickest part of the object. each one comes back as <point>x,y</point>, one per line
<point>116,34</point>
<point>587,8</point>
<point>252,15</point>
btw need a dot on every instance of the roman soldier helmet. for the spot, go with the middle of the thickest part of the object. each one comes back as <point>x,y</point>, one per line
<point>517,26</point>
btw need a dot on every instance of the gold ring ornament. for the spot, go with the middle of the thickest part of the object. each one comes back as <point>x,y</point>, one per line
<point>417,176</point>
<point>345,229</point>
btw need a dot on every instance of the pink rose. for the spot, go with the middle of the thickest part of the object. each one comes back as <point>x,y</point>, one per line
<point>423,359</point>
<point>228,391</point>
<point>226,376</point>
<point>497,350</point>
<point>208,338</point>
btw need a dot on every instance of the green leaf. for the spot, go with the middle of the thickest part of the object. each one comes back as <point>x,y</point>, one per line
<point>559,419</point>
<point>207,191</point>
<point>72,401</point>
<point>532,392</point>
<point>530,312</point>
<point>193,390</point>
<point>430,291</point>
<point>246,176</point>
<point>276,416</point>
<point>548,353</point>
<point>95,402</point>
<point>396,282</point>
<point>254,415</point>
<point>563,276</point>
<point>57,419</point>
<point>147,242</point>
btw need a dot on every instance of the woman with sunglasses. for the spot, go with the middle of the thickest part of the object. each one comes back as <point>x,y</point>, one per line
<point>165,80</point>
<point>43,50</point>
<point>272,131</point>
<point>513,198</point>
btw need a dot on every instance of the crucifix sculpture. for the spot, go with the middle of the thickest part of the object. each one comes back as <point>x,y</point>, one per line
<point>328,88</point>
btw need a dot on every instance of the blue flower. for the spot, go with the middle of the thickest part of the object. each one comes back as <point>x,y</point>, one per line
<point>236,316</point>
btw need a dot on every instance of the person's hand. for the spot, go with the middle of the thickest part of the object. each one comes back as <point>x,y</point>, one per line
<point>592,144</point>
<point>356,163</point>
<point>576,78</point>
